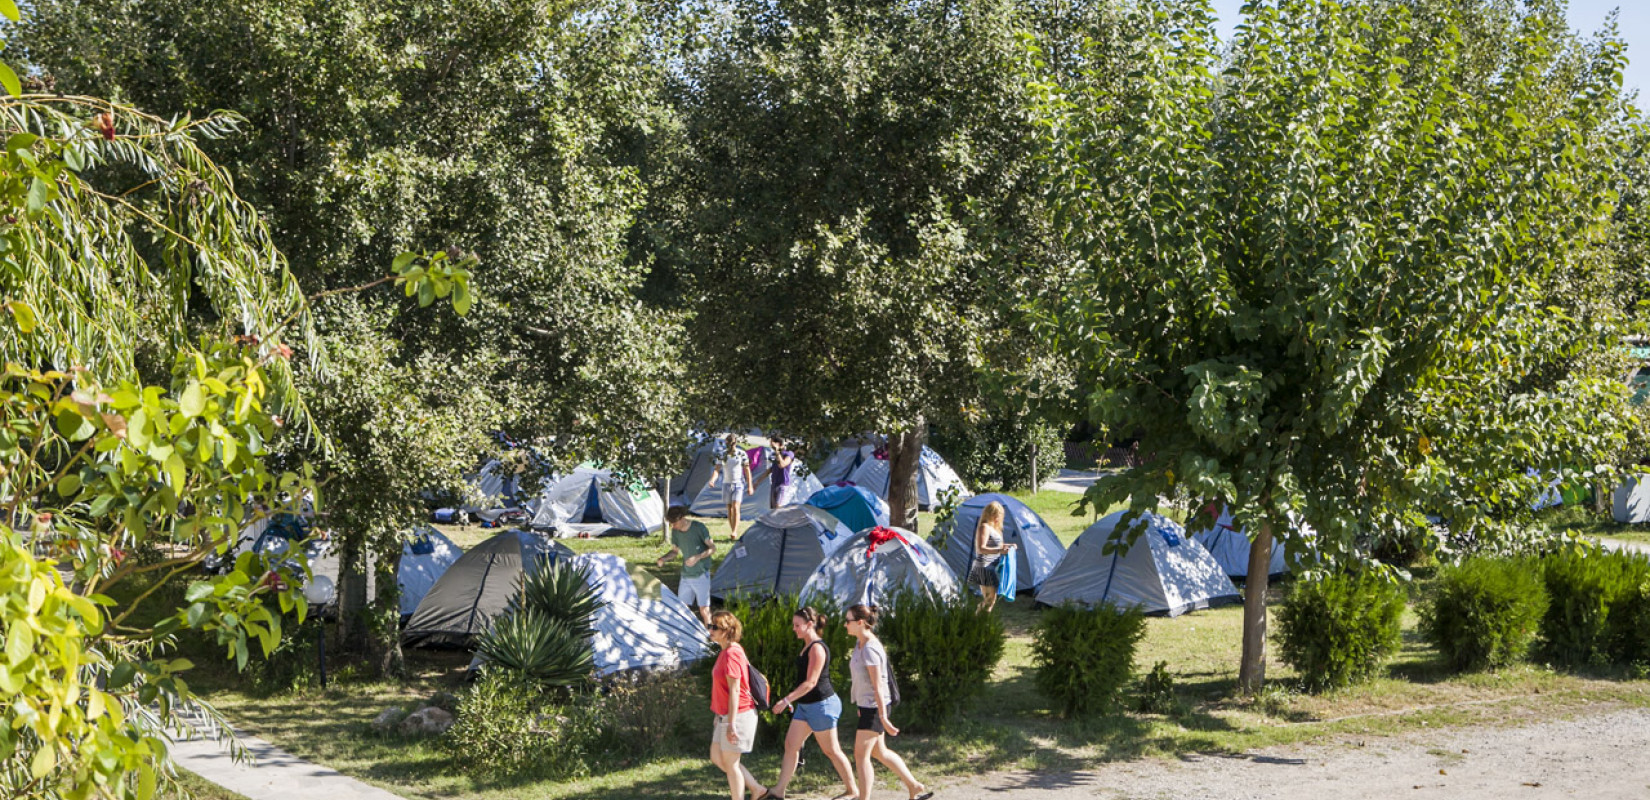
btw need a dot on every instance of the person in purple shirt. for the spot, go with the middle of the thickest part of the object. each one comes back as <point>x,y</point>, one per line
<point>783,471</point>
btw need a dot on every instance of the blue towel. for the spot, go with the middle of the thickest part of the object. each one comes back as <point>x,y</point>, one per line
<point>1005,576</point>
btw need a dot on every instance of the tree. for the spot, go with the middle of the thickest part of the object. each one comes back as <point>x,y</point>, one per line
<point>852,215</point>
<point>1346,277</point>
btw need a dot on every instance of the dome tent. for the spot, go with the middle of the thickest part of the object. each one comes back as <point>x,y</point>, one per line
<point>592,501</point>
<point>1163,572</point>
<point>845,459</point>
<point>711,503</point>
<point>1230,546</point>
<point>704,458</point>
<point>778,553</point>
<point>850,575</point>
<point>466,599</point>
<point>856,507</point>
<point>934,476</point>
<point>635,632</point>
<point>425,556</point>
<point>1039,549</point>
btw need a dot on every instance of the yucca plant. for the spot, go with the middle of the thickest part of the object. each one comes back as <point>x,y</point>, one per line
<point>562,593</point>
<point>541,648</point>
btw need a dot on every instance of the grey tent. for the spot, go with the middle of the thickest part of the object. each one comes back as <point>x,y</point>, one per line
<point>1630,504</point>
<point>778,553</point>
<point>851,575</point>
<point>472,592</point>
<point>711,501</point>
<point>846,458</point>
<point>1229,545</point>
<point>1039,549</point>
<point>935,478</point>
<point>1164,572</point>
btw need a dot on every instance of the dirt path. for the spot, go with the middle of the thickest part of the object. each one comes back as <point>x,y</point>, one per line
<point>1598,757</point>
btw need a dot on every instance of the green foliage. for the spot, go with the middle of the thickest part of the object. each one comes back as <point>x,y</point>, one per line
<point>1337,630</point>
<point>1595,594</point>
<point>1084,657</point>
<point>642,714</point>
<point>1157,693</point>
<point>1485,612</point>
<point>996,451</point>
<point>943,655</point>
<point>545,633</point>
<point>562,593</point>
<point>509,727</point>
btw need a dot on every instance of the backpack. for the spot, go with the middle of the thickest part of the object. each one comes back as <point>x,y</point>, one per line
<point>758,684</point>
<point>893,688</point>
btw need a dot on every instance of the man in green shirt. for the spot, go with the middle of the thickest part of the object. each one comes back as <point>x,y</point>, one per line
<point>691,539</point>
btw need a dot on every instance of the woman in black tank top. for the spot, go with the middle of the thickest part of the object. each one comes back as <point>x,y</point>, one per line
<point>815,707</point>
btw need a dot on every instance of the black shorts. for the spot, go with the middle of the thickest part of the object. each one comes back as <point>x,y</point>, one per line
<point>983,573</point>
<point>870,720</point>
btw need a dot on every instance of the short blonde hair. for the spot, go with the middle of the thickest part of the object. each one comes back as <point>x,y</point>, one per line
<point>728,624</point>
<point>993,514</point>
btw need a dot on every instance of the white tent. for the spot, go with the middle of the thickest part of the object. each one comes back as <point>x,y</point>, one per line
<point>477,588</point>
<point>1229,545</point>
<point>711,501</point>
<point>778,553</point>
<point>1039,549</point>
<point>850,575</point>
<point>495,486</point>
<point>425,556</point>
<point>845,459</point>
<point>1630,504</point>
<point>933,477</point>
<point>1165,571</point>
<point>592,501</point>
<point>632,632</point>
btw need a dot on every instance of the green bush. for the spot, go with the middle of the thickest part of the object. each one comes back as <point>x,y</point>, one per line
<point>1336,631</point>
<point>1158,694</point>
<point>943,654</point>
<point>1084,657</point>
<point>1485,612</point>
<point>772,647</point>
<point>997,452</point>
<point>509,726</point>
<point>642,713</point>
<point>1594,599</point>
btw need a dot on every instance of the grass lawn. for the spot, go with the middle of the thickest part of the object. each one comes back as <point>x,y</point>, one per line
<point>1008,729</point>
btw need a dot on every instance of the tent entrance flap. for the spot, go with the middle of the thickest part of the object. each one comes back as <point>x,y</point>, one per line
<point>592,503</point>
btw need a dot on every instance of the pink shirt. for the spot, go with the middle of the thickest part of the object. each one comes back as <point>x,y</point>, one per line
<point>732,661</point>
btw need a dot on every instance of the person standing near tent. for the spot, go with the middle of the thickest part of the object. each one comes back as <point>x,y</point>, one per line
<point>869,668</point>
<point>782,474</point>
<point>734,733</point>
<point>989,548</point>
<point>815,706</point>
<point>692,540</point>
<point>736,481</point>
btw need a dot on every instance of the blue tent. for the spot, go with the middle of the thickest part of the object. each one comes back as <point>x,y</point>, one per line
<point>1039,549</point>
<point>855,506</point>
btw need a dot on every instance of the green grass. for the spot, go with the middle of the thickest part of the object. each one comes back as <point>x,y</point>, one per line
<point>1010,728</point>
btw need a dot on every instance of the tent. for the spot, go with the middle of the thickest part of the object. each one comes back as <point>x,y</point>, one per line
<point>425,556</point>
<point>1230,546</point>
<point>934,476</point>
<point>849,575</point>
<point>710,501</point>
<point>778,553</point>
<point>478,586</point>
<point>637,632</point>
<point>704,460</point>
<point>845,459</point>
<point>591,501</point>
<point>1040,550</point>
<point>1163,572</point>
<point>1630,504</point>
<point>855,506</point>
<point>495,486</point>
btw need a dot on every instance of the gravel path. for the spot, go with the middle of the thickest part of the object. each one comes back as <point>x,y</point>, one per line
<point>1598,757</point>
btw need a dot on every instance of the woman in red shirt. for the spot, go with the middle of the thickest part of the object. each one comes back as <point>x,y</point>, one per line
<point>735,730</point>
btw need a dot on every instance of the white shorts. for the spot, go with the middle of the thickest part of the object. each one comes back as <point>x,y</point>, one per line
<point>695,591</point>
<point>744,729</point>
<point>734,493</point>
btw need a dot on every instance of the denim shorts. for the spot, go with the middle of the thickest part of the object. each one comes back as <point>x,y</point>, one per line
<point>820,716</point>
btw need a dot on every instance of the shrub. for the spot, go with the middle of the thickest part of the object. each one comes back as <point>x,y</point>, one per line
<point>997,452</point>
<point>1084,657</point>
<point>562,593</point>
<point>943,654</point>
<point>1157,693</point>
<point>772,647</point>
<point>1585,583</point>
<point>642,713</point>
<point>544,634</point>
<point>1336,631</point>
<point>1485,612</point>
<point>509,726</point>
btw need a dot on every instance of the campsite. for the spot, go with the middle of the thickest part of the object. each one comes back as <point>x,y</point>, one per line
<point>492,399</point>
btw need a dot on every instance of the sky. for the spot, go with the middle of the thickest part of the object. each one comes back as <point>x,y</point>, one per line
<point>1586,16</point>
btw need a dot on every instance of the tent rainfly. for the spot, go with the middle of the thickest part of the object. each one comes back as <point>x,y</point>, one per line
<point>778,553</point>
<point>592,501</point>
<point>1163,572</point>
<point>425,556</point>
<point>1039,549</point>
<point>478,586</point>
<point>845,459</point>
<point>1229,545</point>
<point>850,575</point>
<point>636,632</point>
<point>934,476</point>
<point>704,459</point>
<point>856,507</point>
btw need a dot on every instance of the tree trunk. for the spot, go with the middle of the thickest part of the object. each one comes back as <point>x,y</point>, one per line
<point>387,630</point>
<point>904,454</point>
<point>352,593</point>
<point>1252,671</point>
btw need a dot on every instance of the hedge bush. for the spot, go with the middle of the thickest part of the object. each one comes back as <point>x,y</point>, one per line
<point>1595,602</point>
<point>509,726</point>
<point>1084,657</point>
<point>1485,612</point>
<point>997,452</point>
<point>943,654</point>
<point>1336,631</point>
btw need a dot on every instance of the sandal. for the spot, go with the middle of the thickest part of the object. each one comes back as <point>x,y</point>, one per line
<point>924,796</point>
<point>847,796</point>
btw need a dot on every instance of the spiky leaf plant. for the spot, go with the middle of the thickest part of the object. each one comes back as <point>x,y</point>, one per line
<point>560,592</point>
<point>542,648</point>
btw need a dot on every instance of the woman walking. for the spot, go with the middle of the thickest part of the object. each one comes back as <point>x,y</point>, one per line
<point>988,550</point>
<point>869,667</point>
<point>816,706</point>
<point>730,700</point>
